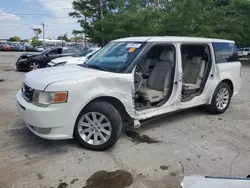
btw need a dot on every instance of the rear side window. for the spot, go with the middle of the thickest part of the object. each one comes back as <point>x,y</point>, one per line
<point>247,49</point>
<point>70,50</point>
<point>225,52</point>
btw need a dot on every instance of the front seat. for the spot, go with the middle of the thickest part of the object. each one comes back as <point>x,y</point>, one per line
<point>193,73</point>
<point>159,80</point>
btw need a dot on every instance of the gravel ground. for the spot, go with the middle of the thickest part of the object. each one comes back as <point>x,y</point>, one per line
<point>192,142</point>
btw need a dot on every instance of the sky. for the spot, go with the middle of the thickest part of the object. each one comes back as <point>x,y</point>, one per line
<point>18,17</point>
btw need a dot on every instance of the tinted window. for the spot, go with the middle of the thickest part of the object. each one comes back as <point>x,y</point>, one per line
<point>70,50</point>
<point>55,51</point>
<point>225,52</point>
<point>247,49</point>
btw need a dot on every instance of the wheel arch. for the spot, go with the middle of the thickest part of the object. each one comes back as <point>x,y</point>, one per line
<point>126,118</point>
<point>227,81</point>
<point>230,83</point>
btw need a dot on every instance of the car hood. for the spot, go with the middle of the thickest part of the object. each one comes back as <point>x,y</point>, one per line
<point>26,55</point>
<point>39,79</point>
<point>78,60</point>
<point>62,59</point>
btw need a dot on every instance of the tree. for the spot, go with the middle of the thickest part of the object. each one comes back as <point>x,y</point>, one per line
<point>35,42</point>
<point>105,20</point>
<point>14,39</point>
<point>37,32</point>
<point>63,37</point>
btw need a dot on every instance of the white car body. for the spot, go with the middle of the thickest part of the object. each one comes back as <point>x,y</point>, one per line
<point>84,85</point>
<point>244,52</point>
<point>72,60</point>
<point>208,182</point>
<point>40,49</point>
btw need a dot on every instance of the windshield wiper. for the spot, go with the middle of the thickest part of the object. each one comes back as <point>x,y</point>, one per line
<point>93,66</point>
<point>96,67</point>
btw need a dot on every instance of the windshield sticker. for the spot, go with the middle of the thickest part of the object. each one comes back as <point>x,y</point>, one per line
<point>133,45</point>
<point>131,50</point>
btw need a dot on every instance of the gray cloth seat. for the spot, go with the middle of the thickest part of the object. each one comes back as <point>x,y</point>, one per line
<point>193,70</point>
<point>158,83</point>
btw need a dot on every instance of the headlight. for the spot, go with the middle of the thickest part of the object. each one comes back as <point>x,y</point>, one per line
<point>61,64</point>
<point>22,60</point>
<point>42,98</point>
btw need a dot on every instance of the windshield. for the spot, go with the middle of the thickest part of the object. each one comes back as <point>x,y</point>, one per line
<point>115,56</point>
<point>85,52</point>
<point>44,51</point>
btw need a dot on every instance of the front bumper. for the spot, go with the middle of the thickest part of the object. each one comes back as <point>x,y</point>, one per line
<point>22,65</point>
<point>51,64</point>
<point>53,122</point>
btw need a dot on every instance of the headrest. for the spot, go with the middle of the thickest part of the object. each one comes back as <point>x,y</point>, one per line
<point>167,55</point>
<point>196,60</point>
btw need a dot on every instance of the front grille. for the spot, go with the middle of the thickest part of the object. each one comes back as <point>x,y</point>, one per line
<point>27,93</point>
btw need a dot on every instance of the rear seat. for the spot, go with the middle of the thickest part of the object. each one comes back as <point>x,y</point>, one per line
<point>193,70</point>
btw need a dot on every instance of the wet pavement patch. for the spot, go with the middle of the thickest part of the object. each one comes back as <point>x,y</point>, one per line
<point>40,176</point>
<point>10,69</point>
<point>74,180</point>
<point>1,80</point>
<point>137,138</point>
<point>163,167</point>
<point>173,174</point>
<point>62,185</point>
<point>104,179</point>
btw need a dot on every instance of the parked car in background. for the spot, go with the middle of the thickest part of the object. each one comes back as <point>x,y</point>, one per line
<point>127,81</point>
<point>74,60</point>
<point>40,48</point>
<point>12,46</point>
<point>19,48</point>
<point>40,60</point>
<point>6,47</point>
<point>30,49</point>
<point>244,52</point>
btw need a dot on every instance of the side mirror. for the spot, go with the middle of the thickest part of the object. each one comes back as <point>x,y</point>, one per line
<point>47,54</point>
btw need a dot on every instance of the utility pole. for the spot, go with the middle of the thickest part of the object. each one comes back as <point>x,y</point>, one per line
<point>85,40</point>
<point>43,32</point>
<point>101,6</point>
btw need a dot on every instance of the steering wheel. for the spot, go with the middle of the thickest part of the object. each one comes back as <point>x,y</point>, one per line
<point>140,70</point>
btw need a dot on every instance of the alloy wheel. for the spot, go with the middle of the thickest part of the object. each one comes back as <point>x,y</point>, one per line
<point>222,98</point>
<point>94,128</point>
<point>34,66</point>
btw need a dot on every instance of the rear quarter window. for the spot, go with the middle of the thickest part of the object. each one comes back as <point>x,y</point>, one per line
<point>225,52</point>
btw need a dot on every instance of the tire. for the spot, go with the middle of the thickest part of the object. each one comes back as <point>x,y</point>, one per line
<point>216,108</point>
<point>34,65</point>
<point>100,109</point>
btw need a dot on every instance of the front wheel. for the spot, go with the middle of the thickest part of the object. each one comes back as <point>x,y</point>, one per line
<point>34,65</point>
<point>98,126</point>
<point>221,99</point>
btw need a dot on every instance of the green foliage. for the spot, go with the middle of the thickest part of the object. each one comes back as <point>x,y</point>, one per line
<point>228,19</point>
<point>37,32</point>
<point>35,42</point>
<point>63,37</point>
<point>14,39</point>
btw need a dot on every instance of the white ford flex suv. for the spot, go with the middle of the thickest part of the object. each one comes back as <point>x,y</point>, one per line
<point>129,80</point>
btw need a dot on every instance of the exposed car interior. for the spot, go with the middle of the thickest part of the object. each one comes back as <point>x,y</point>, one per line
<point>153,83</point>
<point>154,74</point>
<point>195,66</point>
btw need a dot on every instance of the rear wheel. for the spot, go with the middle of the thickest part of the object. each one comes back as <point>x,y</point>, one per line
<point>221,99</point>
<point>98,126</point>
<point>34,65</point>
